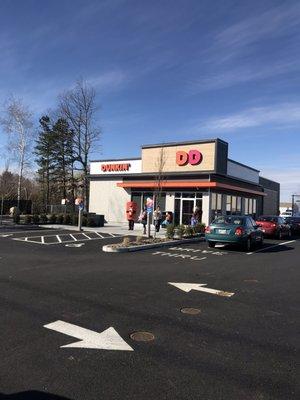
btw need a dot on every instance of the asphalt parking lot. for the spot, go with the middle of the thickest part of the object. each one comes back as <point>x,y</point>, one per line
<point>68,312</point>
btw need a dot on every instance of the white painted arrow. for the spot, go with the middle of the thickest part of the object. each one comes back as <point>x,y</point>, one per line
<point>106,340</point>
<point>187,287</point>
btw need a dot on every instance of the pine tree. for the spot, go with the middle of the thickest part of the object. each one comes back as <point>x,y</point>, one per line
<point>63,156</point>
<point>45,158</point>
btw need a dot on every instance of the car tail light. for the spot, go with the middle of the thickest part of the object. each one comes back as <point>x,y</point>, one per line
<point>207,229</point>
<point>239,231</point>
<point>273,225</point>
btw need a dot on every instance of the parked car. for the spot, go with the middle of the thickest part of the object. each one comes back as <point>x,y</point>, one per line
<point>272,225</point>
<point>294,223</point>
<point>287,213</point>
<point>234,229</point>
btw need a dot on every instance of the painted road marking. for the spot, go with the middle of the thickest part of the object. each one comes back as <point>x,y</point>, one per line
<point>191,250</point>
<point>106,340</point>
<point>6,235</point>
<point>270,247</point>
<point>75,245</point>
<point>187,287</point>
<point>178,255</point>
<point>82,237</point>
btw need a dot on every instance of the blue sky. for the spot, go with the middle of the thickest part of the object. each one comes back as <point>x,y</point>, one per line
<point>166,71</point>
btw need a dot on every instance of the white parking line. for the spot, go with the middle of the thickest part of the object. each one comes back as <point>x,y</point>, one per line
<point>58,238</point>
<point>99,235</point>
<point>270,247</point>
<point>73,237</point>
<point>86,235</point>
<point>41,239</point>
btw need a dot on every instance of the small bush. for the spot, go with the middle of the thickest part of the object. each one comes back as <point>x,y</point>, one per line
<point>199,228</point>
<point>67,219</point>
<point>84,221</point>
<point>91,222</point>
<point>75,219</point>
<point>139,240</point>
<point>126,241</point>
<point>170,231</point>
<point>60,219</point>
<point>189,231</point>
<point>52,219</point>
<point>28,219</point>
<point>36,219</point>
<point>180,230</point>
<point>43,218</point>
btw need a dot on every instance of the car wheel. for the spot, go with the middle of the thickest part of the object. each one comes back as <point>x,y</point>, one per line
<point>211,244</point>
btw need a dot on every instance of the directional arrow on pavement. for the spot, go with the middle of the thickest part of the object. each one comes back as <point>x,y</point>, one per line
<point>187,287</point>
<point>106,340</point>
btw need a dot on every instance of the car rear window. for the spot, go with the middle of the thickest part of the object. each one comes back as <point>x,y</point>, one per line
<point>267,219</point>
<point>232,220</point>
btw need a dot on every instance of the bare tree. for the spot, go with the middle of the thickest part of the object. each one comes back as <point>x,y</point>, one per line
<point>17,122</point>
<point>78,107</point>
<point>159,178</point>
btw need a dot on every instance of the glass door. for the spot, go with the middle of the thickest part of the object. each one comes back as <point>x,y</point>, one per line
<point>187,210</point>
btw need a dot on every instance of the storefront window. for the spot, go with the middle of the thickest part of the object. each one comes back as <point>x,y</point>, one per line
<point>238,205</point>
<point>228,205</point>
<point>216,204</point>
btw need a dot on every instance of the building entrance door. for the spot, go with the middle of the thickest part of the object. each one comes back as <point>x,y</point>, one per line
<point>187,210</point>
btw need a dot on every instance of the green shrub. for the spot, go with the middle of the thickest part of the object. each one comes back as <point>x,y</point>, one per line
<point>60,219</point>
<point>84,221</point>
<point>28,219</point>
<point>67,219</point>
<point>189,231</point>
<point>36,219</point>
<point>91,222</point>
<point>52,219</point>
<point>43,218</point>
<point>75,219</point>
<point>199,228</point>
<point>170,231</point>
<point>180,229</point>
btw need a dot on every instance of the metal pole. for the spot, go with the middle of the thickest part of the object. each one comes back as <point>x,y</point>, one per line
<point>79,219</point>
<point>293,204</point>
<point>2,205</point>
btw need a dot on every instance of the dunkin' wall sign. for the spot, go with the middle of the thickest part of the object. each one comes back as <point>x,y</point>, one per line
<point>192,157</point>
<point>115,167</point>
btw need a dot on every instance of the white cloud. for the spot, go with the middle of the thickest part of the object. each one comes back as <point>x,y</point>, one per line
<point>110,80</point>
<point>289,180</point>
<point>272,23</point>
<point>279,114</point>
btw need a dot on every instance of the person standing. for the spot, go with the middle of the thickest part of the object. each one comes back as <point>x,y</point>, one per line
<point>143,219</point>
<point>130,218</point>
<point>157,218</point>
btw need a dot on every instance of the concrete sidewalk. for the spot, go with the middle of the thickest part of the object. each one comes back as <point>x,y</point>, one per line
<point>113,228</point>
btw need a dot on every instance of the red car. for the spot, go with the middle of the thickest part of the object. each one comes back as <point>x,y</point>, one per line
<point>272,225</point>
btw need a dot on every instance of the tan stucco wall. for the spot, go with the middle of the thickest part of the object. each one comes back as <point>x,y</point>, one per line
<point>108,199</point>
<point>151,157</point>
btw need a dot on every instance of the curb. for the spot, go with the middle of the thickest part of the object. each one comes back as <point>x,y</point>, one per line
<point>109,249</point>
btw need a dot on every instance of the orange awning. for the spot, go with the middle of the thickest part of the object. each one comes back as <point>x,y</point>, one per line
<point>185,185</point>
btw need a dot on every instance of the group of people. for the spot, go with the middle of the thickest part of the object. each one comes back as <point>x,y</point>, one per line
<point>143,218</point>
<point>157,218</point>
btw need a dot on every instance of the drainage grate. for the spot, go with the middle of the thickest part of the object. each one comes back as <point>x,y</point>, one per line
<point>190,310</point>
<point>142,336</point>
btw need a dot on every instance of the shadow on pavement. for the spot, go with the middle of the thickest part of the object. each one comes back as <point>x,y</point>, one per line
<point>32,395</point>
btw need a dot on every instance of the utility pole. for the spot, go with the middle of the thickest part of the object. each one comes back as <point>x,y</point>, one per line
<point>2,206</point>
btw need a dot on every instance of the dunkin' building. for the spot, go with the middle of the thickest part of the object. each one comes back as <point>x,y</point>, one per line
<point>183,175</point>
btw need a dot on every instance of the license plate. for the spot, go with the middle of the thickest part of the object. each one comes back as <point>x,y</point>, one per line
<point>222,231</point>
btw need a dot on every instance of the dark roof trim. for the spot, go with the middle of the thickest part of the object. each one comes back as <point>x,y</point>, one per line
<point>117,159</point>
<point>149,146</point>
<point>243,165</point>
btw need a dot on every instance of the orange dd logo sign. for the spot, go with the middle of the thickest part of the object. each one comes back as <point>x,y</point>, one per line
<point>193,157</point>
